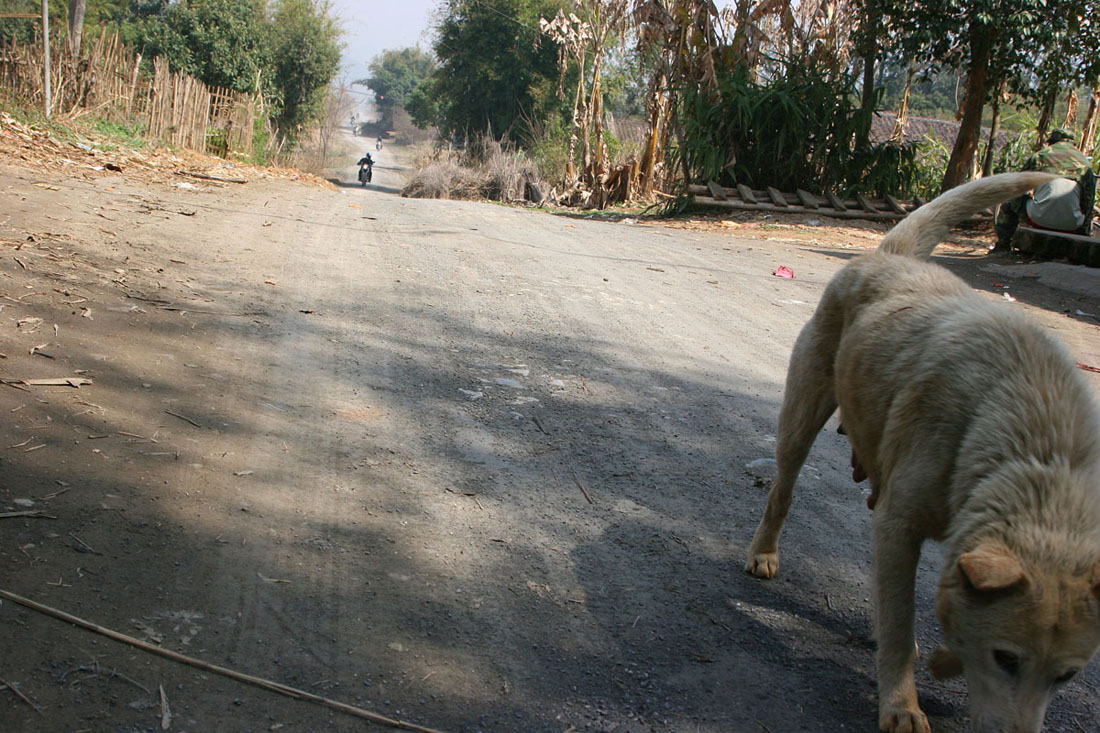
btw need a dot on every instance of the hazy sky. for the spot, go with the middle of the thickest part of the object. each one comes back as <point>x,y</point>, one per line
<point>373,26</point>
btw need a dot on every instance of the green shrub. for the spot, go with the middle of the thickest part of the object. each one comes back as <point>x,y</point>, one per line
<point>796,130</point>
<point>126,135</point>
<point>550,150</point>
<point>261,136</point>
<point>930,163</point>
<point>1014,154</point>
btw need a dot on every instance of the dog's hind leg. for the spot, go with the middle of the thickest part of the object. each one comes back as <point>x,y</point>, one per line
<point>808,401</point>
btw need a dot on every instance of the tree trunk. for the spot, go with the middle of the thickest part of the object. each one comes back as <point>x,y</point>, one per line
<point>76,25</point>
<point>901,122</point>
<point>1088,132</point>
<point>1072,102</point>
<point>658,122</point>
<point>1045,116</point>
<point>570,163</point>
<point>966,144</point>
<point>994,124</point>
<point>596,166</point>
<point>870,58</point>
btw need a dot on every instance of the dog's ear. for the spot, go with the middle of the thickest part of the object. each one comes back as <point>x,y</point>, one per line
<point>945,664</point>
<point>992,566</point>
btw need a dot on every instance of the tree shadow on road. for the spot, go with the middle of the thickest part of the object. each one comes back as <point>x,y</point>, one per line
<point>565,552</point>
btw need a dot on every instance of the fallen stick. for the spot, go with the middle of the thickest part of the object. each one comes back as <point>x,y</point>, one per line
<point>183,417</point>
<point>583,490</point>
<point>208,177</point>
<point>21,696</point>
<point>200,664</point>
<point>53,382</point>
<point>29,513</point>
<point>165,711</point>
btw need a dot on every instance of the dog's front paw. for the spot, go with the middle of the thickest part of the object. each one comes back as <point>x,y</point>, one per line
<point>763,564</point>
<point>897,719</point>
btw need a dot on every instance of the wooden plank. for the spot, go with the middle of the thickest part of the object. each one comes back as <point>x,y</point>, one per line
<point>846,214</point>
<point>835,202</point>
<point>808,199</point>
<point>777,198</point>
<point>746,193</point>
<point>866,203</point>
<point>716,191</point>
<point>895,205</point>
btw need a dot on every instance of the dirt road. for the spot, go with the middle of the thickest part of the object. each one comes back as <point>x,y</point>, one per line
<point>477,467</point>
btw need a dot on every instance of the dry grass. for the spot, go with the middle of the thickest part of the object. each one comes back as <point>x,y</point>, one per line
<point>444,179</point>
<point>485,170</point>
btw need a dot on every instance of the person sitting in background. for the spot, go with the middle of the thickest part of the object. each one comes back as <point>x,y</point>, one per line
<point>1062,205</point>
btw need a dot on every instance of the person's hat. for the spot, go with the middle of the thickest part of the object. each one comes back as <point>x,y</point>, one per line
<point>1060,133</point>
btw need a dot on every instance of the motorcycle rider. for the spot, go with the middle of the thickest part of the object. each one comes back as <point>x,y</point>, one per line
<point>366,162</point>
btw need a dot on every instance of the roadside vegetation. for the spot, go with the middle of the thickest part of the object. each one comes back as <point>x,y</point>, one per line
<point>763,93</point>
<point>280,55</point>
<point>605,101</point>
<point>486,169</point>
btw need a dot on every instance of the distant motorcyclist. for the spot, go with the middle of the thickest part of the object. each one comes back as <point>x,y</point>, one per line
<point>378,145</point>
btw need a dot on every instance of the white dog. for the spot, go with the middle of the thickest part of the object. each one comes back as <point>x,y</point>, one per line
<point>976,430</point>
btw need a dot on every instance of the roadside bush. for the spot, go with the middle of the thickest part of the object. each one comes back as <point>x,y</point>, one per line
<point>930,163</point>
<point>550,149</point>
<point>486,169</point>
<point>504,172</point>
<point>444,179</point>
<point>890,168</point>
<point>1014,154</point>
<point>795,130</point>
<point>130,136</point>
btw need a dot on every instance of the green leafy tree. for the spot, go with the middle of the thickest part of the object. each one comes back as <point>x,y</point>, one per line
<point>495,74</point>
<point>306,59</point>
<point>25,30</point>
<point>996,43</point>
<point>395,74</point>
<point>423,106</point>
<point>221,42</point>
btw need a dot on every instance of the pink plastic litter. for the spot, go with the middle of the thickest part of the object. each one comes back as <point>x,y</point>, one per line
<point>784,271</point>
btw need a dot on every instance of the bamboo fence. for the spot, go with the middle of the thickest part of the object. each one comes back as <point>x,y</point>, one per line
<point>109,81</point>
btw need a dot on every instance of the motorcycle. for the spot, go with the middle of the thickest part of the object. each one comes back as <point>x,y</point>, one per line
<point>365,173</point>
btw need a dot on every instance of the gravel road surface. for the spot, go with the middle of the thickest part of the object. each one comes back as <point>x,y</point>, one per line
<point>474,467</point>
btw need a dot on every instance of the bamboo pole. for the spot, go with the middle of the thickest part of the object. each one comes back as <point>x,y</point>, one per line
<point>46,52</point>
<point>224,671</point>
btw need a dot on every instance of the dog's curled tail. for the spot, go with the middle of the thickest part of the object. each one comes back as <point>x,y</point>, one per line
<point>918,234</point>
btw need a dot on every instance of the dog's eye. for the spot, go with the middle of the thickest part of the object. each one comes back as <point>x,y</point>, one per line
<point>1065,677</point>
<point>1007,661</point>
